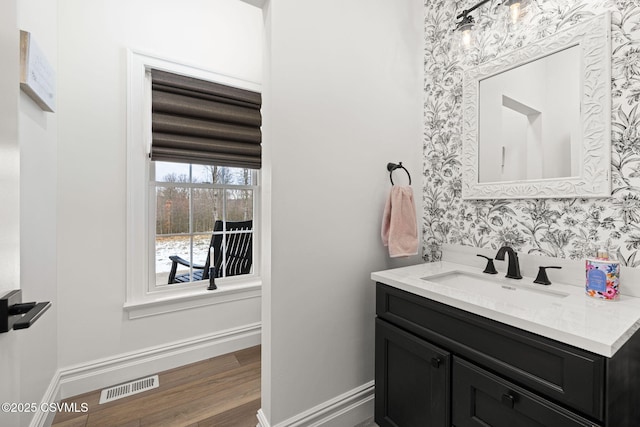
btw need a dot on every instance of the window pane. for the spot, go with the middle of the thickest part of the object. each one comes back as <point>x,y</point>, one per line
<point>167,246</point>
<point>172,172</point>
<point>239,205</point>
<point>223,175</point>
<point>205,173</point>
<point>207,208</point>
<point>244,176</point>
<point>201,248</point>
<point>172,210</point>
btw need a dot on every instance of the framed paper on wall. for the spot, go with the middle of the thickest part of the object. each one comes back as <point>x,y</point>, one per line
<point>37,77</point>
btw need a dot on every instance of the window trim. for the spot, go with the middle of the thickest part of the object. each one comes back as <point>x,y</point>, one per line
<point>140,299</point>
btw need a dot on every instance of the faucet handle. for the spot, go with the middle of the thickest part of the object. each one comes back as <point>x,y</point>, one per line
<point>490,268</point>
<point>542,278</point>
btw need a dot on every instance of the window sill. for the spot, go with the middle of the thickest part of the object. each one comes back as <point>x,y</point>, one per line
<point>154,304</point>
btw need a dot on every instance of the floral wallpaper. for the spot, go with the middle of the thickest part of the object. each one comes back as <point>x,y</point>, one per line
<point>564,228</point>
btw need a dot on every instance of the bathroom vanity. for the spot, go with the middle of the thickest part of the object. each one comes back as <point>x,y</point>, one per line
<point>501,352</point>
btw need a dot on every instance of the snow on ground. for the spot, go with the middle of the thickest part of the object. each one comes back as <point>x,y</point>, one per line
<point>179,245</point>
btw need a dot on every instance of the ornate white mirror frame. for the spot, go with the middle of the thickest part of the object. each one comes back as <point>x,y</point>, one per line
<point>594,180</point>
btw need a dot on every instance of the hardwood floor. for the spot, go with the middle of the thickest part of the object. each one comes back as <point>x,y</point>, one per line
<point>223,392</point>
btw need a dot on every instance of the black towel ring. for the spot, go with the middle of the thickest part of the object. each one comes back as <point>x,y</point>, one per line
<point>392,166</point>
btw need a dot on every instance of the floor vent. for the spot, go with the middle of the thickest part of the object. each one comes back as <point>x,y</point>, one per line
<point>123,390</point>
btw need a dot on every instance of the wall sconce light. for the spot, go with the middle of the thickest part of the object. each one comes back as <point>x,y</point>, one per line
<point>514,9</point>
<point>466,21</point>
<point>465,25</point>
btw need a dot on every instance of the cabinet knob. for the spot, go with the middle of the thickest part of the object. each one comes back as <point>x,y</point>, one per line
<point>508,399</point>
<point>435,362</point>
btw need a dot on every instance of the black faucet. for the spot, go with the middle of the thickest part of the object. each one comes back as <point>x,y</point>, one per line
<point>513,270</point>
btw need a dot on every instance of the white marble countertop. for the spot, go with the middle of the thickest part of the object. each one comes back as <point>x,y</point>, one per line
<point>574,318</point>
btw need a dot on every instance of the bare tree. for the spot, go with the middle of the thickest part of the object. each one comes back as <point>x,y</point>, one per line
<point>172,212</point>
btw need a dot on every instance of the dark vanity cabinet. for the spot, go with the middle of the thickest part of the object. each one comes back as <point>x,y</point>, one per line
<point>437,365</point>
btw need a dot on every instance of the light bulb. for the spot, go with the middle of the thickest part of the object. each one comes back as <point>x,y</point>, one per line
<point>466,38</point>
<point>514,11</point>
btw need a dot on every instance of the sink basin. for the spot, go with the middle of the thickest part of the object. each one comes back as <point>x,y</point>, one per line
<point>496,286</point>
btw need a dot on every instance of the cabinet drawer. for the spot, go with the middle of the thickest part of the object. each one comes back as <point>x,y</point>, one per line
<point>561,372</point>
<point>483,399</point>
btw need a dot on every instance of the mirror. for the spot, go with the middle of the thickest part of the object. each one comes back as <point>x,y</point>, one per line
<point>529,120</point>
<point>537,121</point>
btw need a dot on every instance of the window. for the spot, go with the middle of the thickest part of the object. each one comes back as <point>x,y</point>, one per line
<point>189,200</point>
<point>177,206</point>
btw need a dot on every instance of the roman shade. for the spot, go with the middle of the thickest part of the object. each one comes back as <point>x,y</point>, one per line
<point>198,121</point>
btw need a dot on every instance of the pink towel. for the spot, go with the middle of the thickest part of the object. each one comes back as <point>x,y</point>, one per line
<point>399,226</point>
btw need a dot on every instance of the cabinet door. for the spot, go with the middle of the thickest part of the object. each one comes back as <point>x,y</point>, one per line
<point>412,380</point>
<point>483,399</point>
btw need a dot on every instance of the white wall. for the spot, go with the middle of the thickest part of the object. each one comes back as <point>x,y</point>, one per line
<point>224,36</point>
<point>343,97</point>
<point>38,224</point>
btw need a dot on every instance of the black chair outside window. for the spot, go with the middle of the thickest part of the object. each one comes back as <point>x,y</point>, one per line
<point>238,249</point>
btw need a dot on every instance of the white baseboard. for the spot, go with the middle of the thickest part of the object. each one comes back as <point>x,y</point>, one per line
<point>125,367</point>
<point>41,418</point>
<point>348,409</point>
<point>101,373</point>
